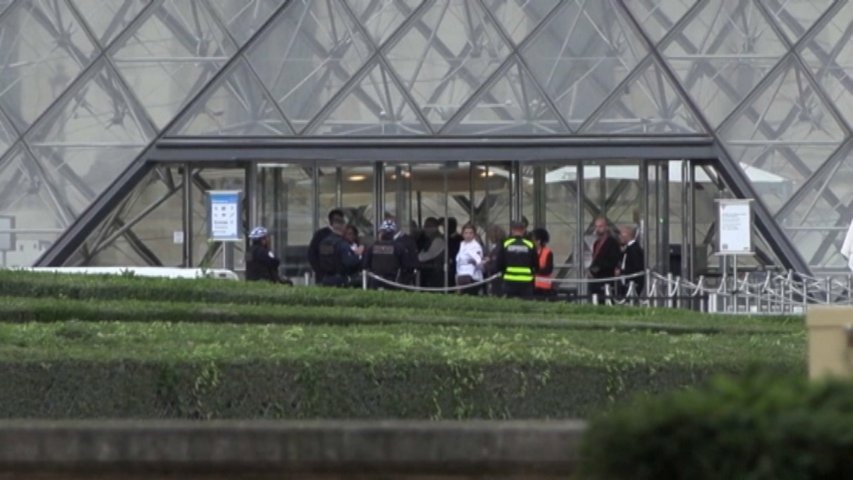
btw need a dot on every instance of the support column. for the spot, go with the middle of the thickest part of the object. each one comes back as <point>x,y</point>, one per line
<point>187,253</point>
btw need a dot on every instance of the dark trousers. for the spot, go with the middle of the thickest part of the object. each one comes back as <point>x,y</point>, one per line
<point>518,289</point>
<point>598,289</point>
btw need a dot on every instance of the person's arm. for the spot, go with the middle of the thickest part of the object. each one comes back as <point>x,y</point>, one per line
<point>436,248</point>
<point>314,250</point>
<point>534,261</point>
<point>635,260</point>
<point>349,259</point>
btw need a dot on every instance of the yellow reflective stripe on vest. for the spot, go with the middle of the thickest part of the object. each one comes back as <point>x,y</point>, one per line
<point>517,278</point>
<point>522,270</point>
<point>527,243</point>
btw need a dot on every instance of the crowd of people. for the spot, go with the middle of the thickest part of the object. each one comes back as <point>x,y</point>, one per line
<point>516,265</point>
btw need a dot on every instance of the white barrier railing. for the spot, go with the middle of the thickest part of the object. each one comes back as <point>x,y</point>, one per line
<point>748,293</point>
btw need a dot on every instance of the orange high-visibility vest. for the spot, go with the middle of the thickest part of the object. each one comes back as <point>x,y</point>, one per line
<point>543,281</point>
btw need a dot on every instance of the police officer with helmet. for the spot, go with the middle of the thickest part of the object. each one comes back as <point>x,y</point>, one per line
<point>261,263</point>
<point>519,262</point>
<point>337,261</point>
<point>385,257</point>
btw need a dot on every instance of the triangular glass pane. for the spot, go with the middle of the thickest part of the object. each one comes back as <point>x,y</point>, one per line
<point>584,51</point>
<point>648,104</point>
<point>108,19</point>
<point>311,51</point>
<point>244,18</point>
<point>7,134</point>
<point>511,106</point>
<point>42,50</point>
<point>374,107</point>
<point>828,198</point>
<point>722,53</point>
<point>382,17</point>
<point>446,55</point>
<point>237,104</point>
<point>90,137</point>
<point>829,55</point>
<point>171,55</point>
<point>795,17</point>
<point>27,203</point>
<point>786,131</point>
<point>520,17</point>
<point>820,248</point>
<point>658,17</point>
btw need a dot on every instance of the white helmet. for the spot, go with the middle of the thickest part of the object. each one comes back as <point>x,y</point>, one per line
<point>258,232</point>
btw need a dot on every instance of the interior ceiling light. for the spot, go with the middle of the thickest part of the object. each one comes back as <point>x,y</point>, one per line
<point>357,178</point>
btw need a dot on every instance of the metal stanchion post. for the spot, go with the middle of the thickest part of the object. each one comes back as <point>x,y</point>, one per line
<point>828,290</point>
<point>364,279</point>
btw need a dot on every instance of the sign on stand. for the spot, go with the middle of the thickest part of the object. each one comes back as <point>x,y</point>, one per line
<point>734,234</point>
<point>734,221</point>
<point>223,209</point>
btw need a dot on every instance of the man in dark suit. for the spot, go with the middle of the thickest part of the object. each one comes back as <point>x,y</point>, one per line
<point>605,257</point>
<point>336,215</point>
<point>632,262</point>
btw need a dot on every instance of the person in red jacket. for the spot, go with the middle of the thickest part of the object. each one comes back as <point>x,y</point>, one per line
<point>543,287</point>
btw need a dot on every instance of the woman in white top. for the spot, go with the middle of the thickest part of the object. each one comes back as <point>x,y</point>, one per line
<point>469,260</point>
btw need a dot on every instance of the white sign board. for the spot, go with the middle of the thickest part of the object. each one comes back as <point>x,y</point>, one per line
<point>734,227</point>
<point>224,215</point>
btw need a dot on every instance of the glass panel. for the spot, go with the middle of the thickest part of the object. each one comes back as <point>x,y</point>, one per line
<point>244,18</point>
<point>511,106</point>
<point>722,53</point>
<point>829,55</point>
<point>821,248</point>
<point>304,59</point>
<point>648,104</point>
<point>580,56</point>
<point>657,17</point>
<point>90,137</point>
<point>108,19</point>
<point>351,189</point>
<point>829,198</point>
<point>237,104</point>
<point>382,17</point>
<point>171,55</point>
<point>795,17</point>
<point>786,133</point>
<point>520,17</point>
<point>561,217</point>
<point>376,107</point>
<point>42,49</point>
<point>26,202</point>
<point>446,55</point>
<point>8,135</point>
<point>4,4</point>
<point>287,210</point>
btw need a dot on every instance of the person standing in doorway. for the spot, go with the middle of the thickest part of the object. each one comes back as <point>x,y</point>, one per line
<point>469,260</point>
<point>605,257</point>
<point>543,287</point>
<point>261,263</point>
<point>632,262</point>
<point>338,262</point>
<point>314,246</point>
<point>385,257</point>
<point>518,262</point>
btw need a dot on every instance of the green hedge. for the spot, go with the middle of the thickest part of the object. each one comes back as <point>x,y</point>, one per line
<point>215,292</point>
<point>757,427</point>
<point>322,389</point>
<point>46,309</point>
